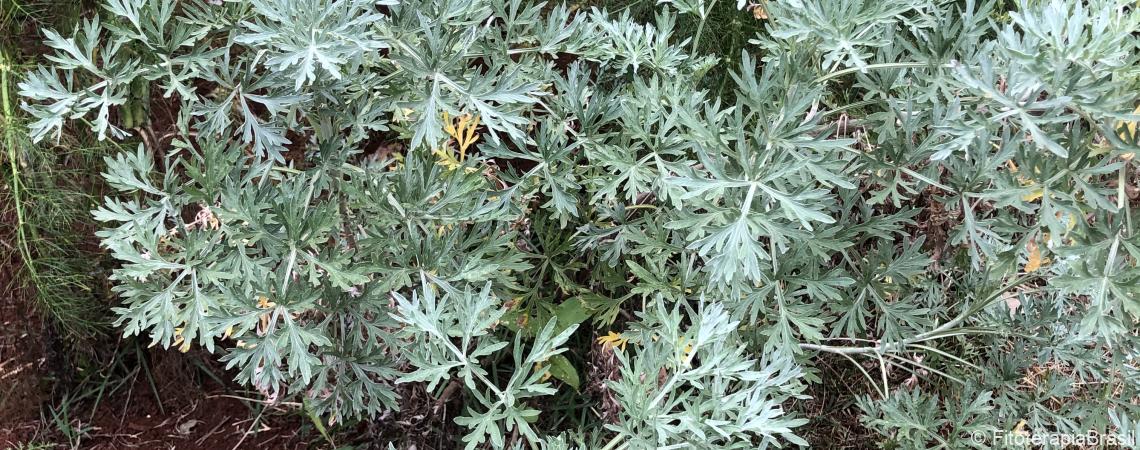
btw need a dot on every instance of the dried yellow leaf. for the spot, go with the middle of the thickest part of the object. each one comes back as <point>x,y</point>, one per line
<point>446,159</point>
<point>538,367</point>
<point>463,132</point>
<point>1026,182</point>
<point>1130,126</point>
<point>264,303</point>
<point>686,349</point>
<point>1019,429</point>
<point>1034,261</point>
<point>613,340</point>
<point>181,342</point>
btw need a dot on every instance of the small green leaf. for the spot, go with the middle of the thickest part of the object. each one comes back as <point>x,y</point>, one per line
<point>562,369</point>
<point>571,312</point>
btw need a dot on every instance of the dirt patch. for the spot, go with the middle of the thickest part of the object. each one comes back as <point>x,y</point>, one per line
<point>211,421</point>
<point>21,370</point>
<point>423,422</point>
<point>168,399</point>
<point>21,362</point>
<point>159,405</point>
<point>831,407</point>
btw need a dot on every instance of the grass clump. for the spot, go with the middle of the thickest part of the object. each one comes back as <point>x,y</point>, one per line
<point>48,190</point>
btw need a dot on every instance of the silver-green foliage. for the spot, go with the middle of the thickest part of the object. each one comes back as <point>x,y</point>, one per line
<point>883,175</point>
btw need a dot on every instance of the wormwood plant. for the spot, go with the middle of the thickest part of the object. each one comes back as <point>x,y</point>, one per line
<point>358,195</point>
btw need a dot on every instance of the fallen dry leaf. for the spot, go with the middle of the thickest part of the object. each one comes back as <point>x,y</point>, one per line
<point>186,427</point>
<point>1011,302</point>
<point>1034,261</point>
<point>759,12</point>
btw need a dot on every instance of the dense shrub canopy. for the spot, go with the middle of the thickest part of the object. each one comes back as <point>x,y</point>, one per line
<point>360,194</point>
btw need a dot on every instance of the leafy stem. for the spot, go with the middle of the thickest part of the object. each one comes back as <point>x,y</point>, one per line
<point>894,65</point>
<point>945,330</point>
<point>701,25</point>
